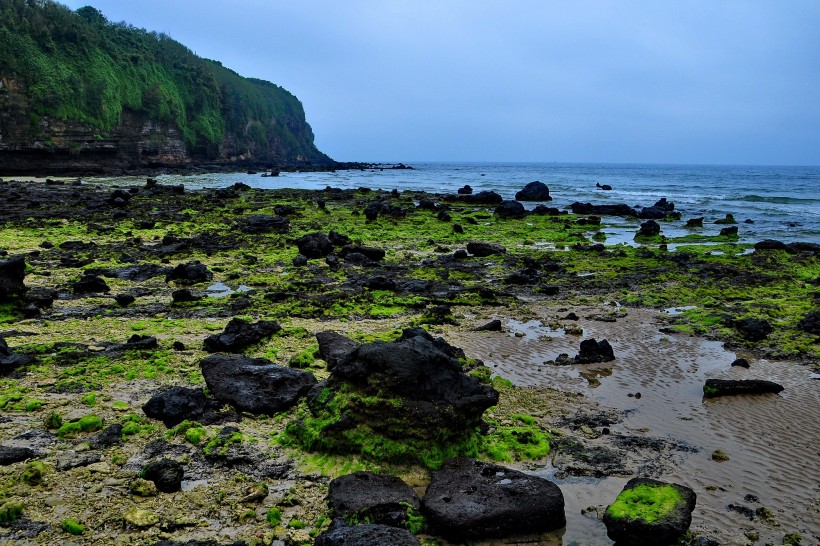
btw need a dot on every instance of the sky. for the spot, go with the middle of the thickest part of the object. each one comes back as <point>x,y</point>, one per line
<point>653,81</point>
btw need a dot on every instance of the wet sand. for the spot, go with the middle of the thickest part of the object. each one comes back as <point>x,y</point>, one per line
<point>772,475</point>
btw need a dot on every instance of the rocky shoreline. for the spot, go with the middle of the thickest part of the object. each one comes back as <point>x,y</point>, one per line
<point>197,367</point>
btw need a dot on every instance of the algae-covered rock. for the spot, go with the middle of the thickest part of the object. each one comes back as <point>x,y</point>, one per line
<point>650,512</point>
<point>481,249</point>
<point>12,274</point>
<point>143,488</point>
<point>314,245</point>
<point>730,387</point>
<point>254,385</point>
<point>240,334</point>
<point>10,511</point>
<point>33,473</point>
<point>476,500</point>
<point>341,534</point>
<point>376,498</point>
<point>141,518</point>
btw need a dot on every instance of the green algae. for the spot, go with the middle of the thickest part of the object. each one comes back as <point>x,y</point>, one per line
<point>73,527</point>
<point>645,502</point>
<point>10,511</point>
<point>87,423</point>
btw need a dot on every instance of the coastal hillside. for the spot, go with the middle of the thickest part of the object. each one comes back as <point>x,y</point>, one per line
<point>78,92</point>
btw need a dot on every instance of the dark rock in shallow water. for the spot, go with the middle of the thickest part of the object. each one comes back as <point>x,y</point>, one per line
<point>729,231</point>
<point>650,228</point>
<point>694,222</point>
<point>254,385</point>
<point>652,213</point>
<point>314,245</point>
<point>669,526</point>
<point>377,498</point>
<point>595,351</point>
<point>165,473</point>
<point>10,455</point>
<point>341,534</point>
<point>798,247</point>
<point>240,334</point>
<point>465,190</point>
<point>90,284</point>
<point>469,499</point>
<point>729,387</point>
<point>480,198</point>
<point>482,249</point>
<point>753,329</point>
<point>12,274</point>
<point>619,209</point>
<point>190,273</point>
<point>740,363</point>
<point>510,209</point>
<point>492,326</point>
<point>542,210</point>
<point>534,191</point>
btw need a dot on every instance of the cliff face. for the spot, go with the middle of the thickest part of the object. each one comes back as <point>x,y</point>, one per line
<point>78,93</point>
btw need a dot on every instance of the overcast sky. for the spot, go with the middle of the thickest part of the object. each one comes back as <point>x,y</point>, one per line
<point>726,82</point>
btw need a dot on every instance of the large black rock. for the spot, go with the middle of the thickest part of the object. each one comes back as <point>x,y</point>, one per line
<point>510,209</point>
<point>10,360</point>
<point>314,245</point>
<point>12,273</point>
<point>650,228</point>
<point>753,329</point>
<point>254,385</point>
<point>10,454</point>
<point>341,534</point>
<point>730,387</point>
<point>482,249</point>
<point>190,273</point>
<point>90,284</point>
<point>166,475</point>
<point>469,499</point>
<point>810,323</point>
<point>240,334</point>
<point>424,373</point>
<point>176,404</point>
<point>480,198</point>
<point>665,530</point>
<point>377,498</point>
<point>595,351</point>
<point>619,209</point>
<point>534,191</point>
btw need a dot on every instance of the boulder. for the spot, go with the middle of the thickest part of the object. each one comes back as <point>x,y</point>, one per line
<point>11,454</point>
<point>800,246</point>
<point>176,404</point>
<point>753,329</point>
<point>510,209</point>
<point>594,351</point>
<point>730,387</point>
<point>770,244</point>
<point>492,326</point>
<point>650,512</point>
<point>12,273</point>
<point>341,534</point>
<point>314,245</point>
<point>376,498</point>
<point>694,223</point>
<point>239,335</point>
<point>190,273</point>
<point>469,499</point>
<point>482,249</point>
<point>90,284</point>
<point>543,210</point>
<point>184,295</point>
<point>338,239</point>
<point>165,473</point>
<point>480,198</point>
<point>372,253</point>
<point>619,209</point>
<point>730,231</point>
<point>333,348</point>
<point>810,323</point>
<point>254,385</point>
<point>652,213</point>
<point>534,191</point>
<point>108,437</point>
<point>465,190</point>
<point>650,228</point>
<point>9,360</point>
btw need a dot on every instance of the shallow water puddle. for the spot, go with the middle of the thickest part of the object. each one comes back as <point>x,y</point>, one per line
<point>222,290</point>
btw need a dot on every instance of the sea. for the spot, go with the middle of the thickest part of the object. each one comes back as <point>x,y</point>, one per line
<point>768,202</point>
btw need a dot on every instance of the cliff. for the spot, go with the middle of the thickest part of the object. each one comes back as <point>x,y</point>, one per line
<point>79,93</point>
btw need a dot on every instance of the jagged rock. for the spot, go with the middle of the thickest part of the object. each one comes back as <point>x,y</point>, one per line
<point>76,459</point>
<point>190,273</point>
<point>240,334</point>
<point>465,190</point>
<point>10,360</point>
<point>314,245</point>
<point>166,474</point>
<point>481,249</point>
<point>377,498</point>
<point>510,209</point>
<point>753,329</point>
<point>740,363</point>
<point>492,326</point>
<point>424,372</point>
<point>594,351</point>
<point>469,499</point>
<point>263,223</point>
<point>176,404</point>
<point>108,437</point>
<point>254,385</point>
<point>341,534</point>
<point>729,219</point>
<point>338,239</point>
<point>380,283</point>
<point>770,244</point>
<point>12,274</point>
<point>90,284</point>
<point>652,213</point>
<point>10,454</point>
<point>184,295</point>
<point>730,231</point>
<point>729,387</point>
<point>650,228</point>
<point>810,323</point>
<point>667,529</point>
<point>694,222</point>
<point>372,253</point>
<point>41,297</point>
<point>534,191</point>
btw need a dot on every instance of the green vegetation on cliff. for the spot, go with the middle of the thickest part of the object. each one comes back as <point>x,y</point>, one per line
<point>79,67</point>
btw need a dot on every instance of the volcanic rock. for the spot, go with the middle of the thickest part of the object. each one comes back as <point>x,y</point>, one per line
<point>510,209</point>
<point>729,387</point>
<point>314,245</point>
<point>12,273</point>
<point>753,329</point>
<point>534,191</point>
<point>263,223</point>
<point>240,334</point>
<point>377,498</point>
<point>650,228</point>
<point>341,534</point>
<point>594,351</point>
<point>90,284</point>
<point>190,273</point>
<point>166,475</point>
<point>482,249</point>
<point>10,360</point>
<point>254,385</point>
<point>469,499</point>
<point>176,404</point>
